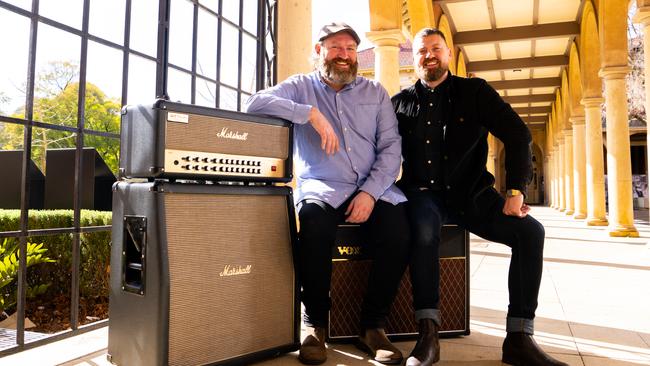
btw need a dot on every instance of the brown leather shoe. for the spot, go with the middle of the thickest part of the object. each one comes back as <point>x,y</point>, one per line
<point>427,348</point>
<point>376,344</point>
<point>312,349</point>
<point>520,349</point>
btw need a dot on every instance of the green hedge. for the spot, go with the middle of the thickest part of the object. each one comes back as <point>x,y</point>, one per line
<point>95,250</point>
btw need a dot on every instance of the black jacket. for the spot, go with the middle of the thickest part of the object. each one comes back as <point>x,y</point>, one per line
<point>473,109</point>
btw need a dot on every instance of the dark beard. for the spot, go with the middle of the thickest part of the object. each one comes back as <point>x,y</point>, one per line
<point>330,73</point>
<point>432,75</point>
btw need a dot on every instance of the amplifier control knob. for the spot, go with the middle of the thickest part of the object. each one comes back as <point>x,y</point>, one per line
<point>185,158</point>
<point>214,168</point>
<point>186,166</point>
<point>196,158</point>
<point>259,163</point>
<point>220,169</point>
<point>196,167</point>
<point>258,171</point>
<point>236,170</point>
<point>205,168</point>
<point>205,160</point>
<point>214,161</point>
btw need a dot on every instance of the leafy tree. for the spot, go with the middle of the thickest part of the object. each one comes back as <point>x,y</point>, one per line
<point>56,102</point>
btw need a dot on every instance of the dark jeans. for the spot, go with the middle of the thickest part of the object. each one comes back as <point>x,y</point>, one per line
<point>525,236</point>
<point>387,229</point>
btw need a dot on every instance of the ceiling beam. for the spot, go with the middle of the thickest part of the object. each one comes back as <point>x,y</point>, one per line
<point>532,110</point>
<point>535,119</point>
<point>526,83</point>
<point>517,63</point>
<point>540,31</point>
<point>534,98</point>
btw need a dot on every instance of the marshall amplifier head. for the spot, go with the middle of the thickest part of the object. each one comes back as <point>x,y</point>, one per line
<point>173,140</point>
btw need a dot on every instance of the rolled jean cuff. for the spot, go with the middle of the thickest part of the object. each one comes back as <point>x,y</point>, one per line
<point>428,314</point>
<point>514,325</point>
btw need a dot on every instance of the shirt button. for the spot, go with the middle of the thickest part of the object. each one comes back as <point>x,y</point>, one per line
<point>345,128</point>
<point>448,187</point>
<point>340,112</point>
<point>349,149</point>
<point>445,157</point>
<point>432,181</point>
<point>430,104</point>
<point>429,162</point>
<point>428,142</point>
<point>428,122</point>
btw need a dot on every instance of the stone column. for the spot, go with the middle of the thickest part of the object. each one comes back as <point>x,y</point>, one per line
<point>550,179</point>
<point>568,171</point>
<point>560,173</point>
<point>619,167</point>
<point>294,38</point>
<point>595,172</point>
<point>387,57</point>
<point>579,169</point>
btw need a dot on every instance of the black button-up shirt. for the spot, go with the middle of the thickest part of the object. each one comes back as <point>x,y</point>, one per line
<point>426,150</point>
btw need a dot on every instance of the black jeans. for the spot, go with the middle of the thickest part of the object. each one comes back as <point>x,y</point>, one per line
<point>387,228</point>
<point>525,236</point>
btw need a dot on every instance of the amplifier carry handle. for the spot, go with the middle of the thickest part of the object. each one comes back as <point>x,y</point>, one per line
<point>133,254</point>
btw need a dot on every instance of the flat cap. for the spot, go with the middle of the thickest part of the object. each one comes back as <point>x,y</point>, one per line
<point>333,28</point>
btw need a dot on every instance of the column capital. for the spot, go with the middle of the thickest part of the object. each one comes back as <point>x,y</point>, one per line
<point>614,72</point>
<point>577,120</point>
<point>389,37</point>
<point>642,16</point>
<point>592,102</point>
<point>567,132</point>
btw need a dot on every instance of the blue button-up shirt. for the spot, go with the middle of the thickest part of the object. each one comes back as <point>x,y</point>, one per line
<point>362,116</point>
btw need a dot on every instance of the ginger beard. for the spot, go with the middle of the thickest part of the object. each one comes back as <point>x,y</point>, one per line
<point>338,70</point>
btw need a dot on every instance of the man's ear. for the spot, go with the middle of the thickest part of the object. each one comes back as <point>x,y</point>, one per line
<point>317,48</point>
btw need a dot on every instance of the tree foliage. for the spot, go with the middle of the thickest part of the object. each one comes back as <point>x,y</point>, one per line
<point>56,102</point>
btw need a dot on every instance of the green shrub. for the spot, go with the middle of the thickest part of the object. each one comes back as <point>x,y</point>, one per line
<point>9,254</point>
<point>94,247</point>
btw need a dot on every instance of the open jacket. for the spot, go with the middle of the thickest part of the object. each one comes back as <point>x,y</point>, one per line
<point>474,108</point>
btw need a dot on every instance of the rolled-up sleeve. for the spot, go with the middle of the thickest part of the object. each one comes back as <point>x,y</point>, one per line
<point>280,102</point>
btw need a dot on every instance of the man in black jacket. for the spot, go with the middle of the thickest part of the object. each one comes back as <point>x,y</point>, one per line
<point>444,121</point>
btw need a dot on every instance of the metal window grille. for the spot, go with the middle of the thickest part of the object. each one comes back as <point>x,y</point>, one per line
<point>253,35</point>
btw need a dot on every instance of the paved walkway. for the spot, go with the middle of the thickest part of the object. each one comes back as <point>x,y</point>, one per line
<point>594,305</point>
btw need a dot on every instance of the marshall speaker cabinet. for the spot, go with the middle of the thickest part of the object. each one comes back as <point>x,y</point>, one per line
<point>173,140</point>
<point>201,274</point>
<point>350,268</point>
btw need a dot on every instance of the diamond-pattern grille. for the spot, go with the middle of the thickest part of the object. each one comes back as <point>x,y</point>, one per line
<point>349,280</point>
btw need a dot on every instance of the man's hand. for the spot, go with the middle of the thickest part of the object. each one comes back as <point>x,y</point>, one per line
<point>360,208</point>
<point>328,138</point>
<point>515,206</point>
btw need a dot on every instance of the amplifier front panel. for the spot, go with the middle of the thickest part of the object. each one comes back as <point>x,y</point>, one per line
<point>231,276</point>
<point>218,135</point>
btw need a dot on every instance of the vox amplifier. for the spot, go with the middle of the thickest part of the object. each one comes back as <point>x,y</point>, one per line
<point>351,266</point>
<point>173,140</point>
<point>201,274</point>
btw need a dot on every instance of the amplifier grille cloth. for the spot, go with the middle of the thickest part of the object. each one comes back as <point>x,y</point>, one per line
<point>349,280</point>
<point>213,317</point>
<point>200,134</point>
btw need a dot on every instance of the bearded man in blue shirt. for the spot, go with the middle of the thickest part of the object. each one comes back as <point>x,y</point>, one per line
<point>347,153</point>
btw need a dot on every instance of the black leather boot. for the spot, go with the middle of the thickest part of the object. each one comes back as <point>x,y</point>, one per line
<point>427,348</point>
<point>376,344</point>
<point>520,349</point>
